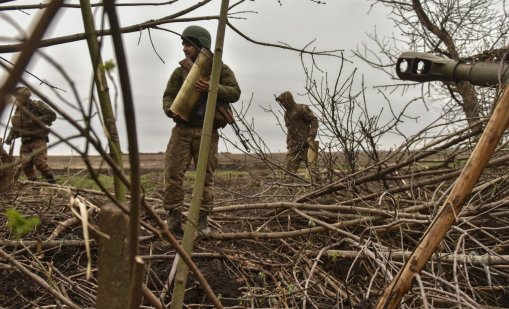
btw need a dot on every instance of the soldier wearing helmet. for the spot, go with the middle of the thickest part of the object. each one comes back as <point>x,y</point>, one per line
<point>30,122</point>
<point>185,138</point>
<point>302,127</point>
<point>197,35</point>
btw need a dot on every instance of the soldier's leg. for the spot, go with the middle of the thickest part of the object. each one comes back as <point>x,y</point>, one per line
<point>177,159</point>
<point>292,160</point>
<point>40,160</point>
<point>208,191</point>
<point>27,163</point>
<point>302,156</point>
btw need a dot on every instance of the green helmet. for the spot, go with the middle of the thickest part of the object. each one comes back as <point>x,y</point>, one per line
<point>199,34</point>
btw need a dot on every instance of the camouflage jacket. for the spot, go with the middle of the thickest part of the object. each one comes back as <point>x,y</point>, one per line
<point>301,124</point>
<point>26,127</point>
<point>228,92</point>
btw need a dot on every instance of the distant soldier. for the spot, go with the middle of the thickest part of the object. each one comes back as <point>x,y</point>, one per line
<point>302,127</point>
<point>30,122</point>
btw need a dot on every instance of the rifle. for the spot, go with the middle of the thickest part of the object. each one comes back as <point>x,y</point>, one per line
<point>227,114</point>
<point>11,147</point>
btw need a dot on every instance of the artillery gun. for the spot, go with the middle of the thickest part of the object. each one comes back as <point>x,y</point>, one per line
<point>423,67</point>
<point>426,67</point>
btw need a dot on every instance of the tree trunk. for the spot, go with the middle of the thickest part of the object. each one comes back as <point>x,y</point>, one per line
<point>470,102</point>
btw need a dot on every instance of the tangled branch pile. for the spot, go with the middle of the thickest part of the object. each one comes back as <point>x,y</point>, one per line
<point>280,242</point>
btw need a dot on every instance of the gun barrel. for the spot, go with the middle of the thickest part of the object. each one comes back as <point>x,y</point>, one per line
<point>425,67</point>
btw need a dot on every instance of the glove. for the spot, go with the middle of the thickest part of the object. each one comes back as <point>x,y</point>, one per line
<point>8,141</point>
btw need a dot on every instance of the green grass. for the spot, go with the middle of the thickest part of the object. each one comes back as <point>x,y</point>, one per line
<point>149,181</point>
<point>86,181</point>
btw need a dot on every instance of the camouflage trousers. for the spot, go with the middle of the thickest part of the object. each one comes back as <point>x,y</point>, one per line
<point>35,153</point>
<point>294,157</point>
<point>183,147</point>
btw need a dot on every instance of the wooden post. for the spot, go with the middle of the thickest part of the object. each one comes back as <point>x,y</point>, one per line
<point>112,263</point>
<point>437,230</point>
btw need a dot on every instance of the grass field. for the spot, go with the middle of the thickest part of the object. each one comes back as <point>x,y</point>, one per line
<point>150,162</point>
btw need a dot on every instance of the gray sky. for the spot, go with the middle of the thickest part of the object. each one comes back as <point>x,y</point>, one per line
<point>261,71</point>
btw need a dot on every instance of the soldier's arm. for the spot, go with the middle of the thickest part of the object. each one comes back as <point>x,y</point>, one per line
<point>313,123</point>
<point>171,91</point>
<point>228,89</point>
<point>46,114</point>
<point>13,134</point>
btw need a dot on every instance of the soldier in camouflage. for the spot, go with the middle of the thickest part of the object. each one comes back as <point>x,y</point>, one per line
<point>185,138</point>
<point>30,122</point>
<point>302,127</point>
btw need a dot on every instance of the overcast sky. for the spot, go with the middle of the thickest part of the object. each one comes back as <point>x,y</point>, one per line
<point>261,71</point>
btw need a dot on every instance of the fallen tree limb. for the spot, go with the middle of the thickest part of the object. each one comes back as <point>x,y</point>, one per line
<point>44,244</point>
<point>353,180</point>
<point>452,206</point>
<point>491,260</point>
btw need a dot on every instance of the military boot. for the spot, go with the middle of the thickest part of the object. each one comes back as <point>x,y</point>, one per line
<point>50,178</point>
<point>203,225</point>
<point>174,218</point>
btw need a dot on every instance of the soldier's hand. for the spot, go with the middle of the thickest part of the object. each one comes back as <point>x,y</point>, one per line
<point>171,114</point>
<point>174,116</point>
<point>202,85</point>
<point>8,141</point>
